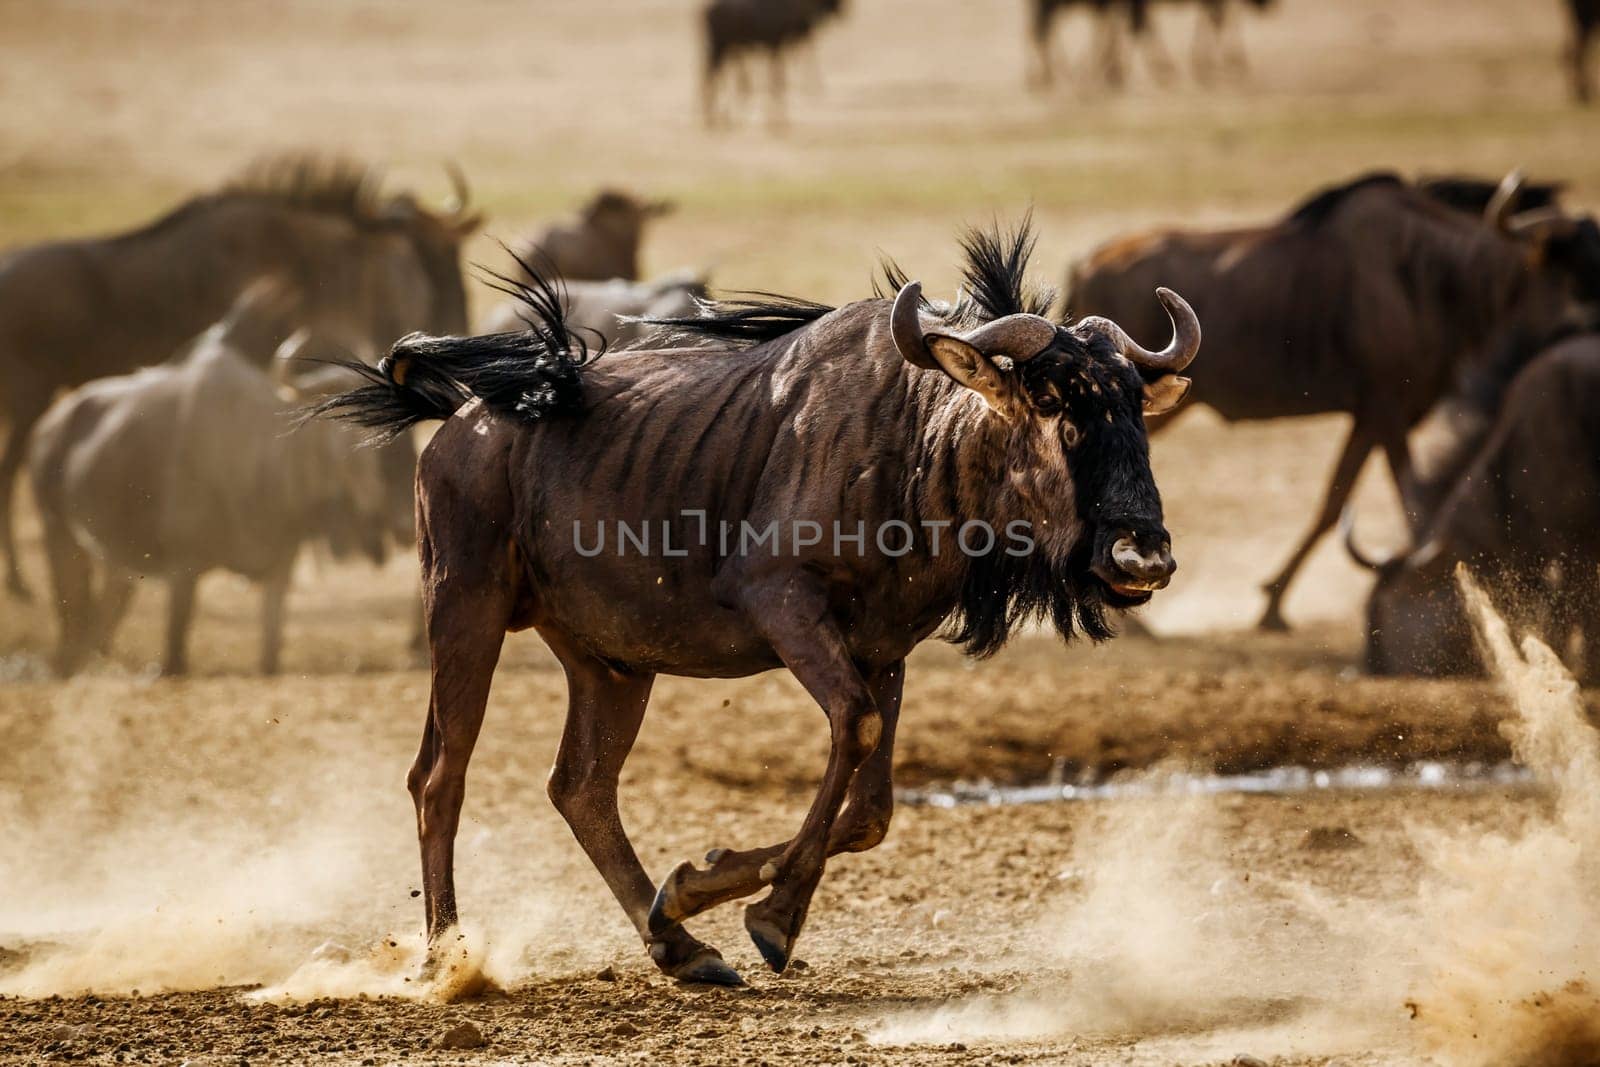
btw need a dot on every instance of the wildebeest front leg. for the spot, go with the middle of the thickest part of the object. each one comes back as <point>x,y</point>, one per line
<point>1345,472</point>
<point>792,614</point>
<point>604,710</point>
<point>735,873</point>
<point>274,593</point>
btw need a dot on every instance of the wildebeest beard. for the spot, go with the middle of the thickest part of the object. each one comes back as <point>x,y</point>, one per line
<point>1002,590</point>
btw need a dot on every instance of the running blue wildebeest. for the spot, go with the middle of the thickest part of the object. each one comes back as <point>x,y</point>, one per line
<point>819,489</point>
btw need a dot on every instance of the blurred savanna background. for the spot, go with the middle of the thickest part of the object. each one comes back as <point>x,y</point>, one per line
<point>906,121</point>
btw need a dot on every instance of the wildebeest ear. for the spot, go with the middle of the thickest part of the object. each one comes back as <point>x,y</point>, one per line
<point>1165,393</point>
<point>971,368</point>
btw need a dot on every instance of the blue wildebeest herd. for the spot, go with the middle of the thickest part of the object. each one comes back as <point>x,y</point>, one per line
<point>733,31</point>
<point>658,482</point>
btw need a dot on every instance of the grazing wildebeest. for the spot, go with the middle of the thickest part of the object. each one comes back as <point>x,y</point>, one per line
<point>1369,299</point>
<point>614,310</point>
<point>372,267</point>
<point>1585,27</point>
<point>1211,44</point>
<point>846,442</point>
<point>187,467</point>
<point>601,243</point>
<point>735,28</point>
<point>1524,515</point>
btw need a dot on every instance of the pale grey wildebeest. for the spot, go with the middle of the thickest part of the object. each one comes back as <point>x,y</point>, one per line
<point>1370,298</point>
<point>187,467</point>
<point>372,266</point>
<point>940,438</point>
<point>615,311</point>
<point>601,243</point>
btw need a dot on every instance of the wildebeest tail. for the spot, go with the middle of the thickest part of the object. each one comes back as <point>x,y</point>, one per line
<point>527,374</point>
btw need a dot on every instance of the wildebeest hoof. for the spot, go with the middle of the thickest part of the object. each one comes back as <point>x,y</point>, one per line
<point>773,944</point>
<point>704,965</point>
<point>1273,622</point>
<point>708,968</point>
<point>666,911</point>
<point>716,854</point>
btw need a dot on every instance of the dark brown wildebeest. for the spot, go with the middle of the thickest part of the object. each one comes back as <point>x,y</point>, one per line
<point>825,488</point>
<point>1473,195</point>
<point>614,311</point>
<point>735,28</point>
<point>1212,47</point>
<point>1368,299</point>
<point>1585,27</point>
<point>372,267</point>
<point>187,467</point>
<point>1524,515</point>
<point>601,243</point>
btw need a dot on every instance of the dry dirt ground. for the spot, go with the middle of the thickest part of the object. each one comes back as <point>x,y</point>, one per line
<point>240,851</point>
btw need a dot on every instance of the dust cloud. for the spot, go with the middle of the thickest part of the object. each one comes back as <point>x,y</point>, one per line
<point>153,850</point>
<point>1169,939</point>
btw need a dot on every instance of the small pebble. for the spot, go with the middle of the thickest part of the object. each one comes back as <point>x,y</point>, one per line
<point>609,974</point>
<point>461,1036</point>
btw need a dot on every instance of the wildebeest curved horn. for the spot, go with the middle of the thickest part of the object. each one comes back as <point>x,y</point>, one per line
<point>1180,351</point>
<point>1347,531</point>
<point>905,326</point>
<point>1550,221</point>
<point>1019,337</point>
<point>1498,211</point>
<point>460,191</point>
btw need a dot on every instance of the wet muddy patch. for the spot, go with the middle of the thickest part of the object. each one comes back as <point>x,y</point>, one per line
<point>1426,775</point>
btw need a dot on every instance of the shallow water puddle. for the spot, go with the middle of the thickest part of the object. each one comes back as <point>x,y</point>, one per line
<point>1430,775</point>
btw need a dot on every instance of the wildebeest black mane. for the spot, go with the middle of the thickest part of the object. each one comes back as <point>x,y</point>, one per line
<point>333,185</point>
<point>996,274</point>
<point>528,374</point>
<point>744,320</point>
<point>995,277</point>
<point>1321,205</point>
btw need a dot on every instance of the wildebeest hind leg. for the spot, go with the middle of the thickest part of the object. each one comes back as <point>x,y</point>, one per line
<point>116,592</point>
<point>734,873</point>
<point>180,613</point>
<point>72,582</point>
<point>22,419</point>
<point>1345,472</point>
<point>604,710</point>
<point>469,603</point>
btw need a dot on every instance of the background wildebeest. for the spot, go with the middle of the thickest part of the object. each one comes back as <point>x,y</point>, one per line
<point>734,29</point>
<point>880,414</point>
<point>1524,515</point>
<point>187,467</point>
<point>601,243</point>
<point>1585,25</point>
<point>612,310</point>
<point>371,266</point>
<point>1212,50</point>
<point>1369,298</point>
